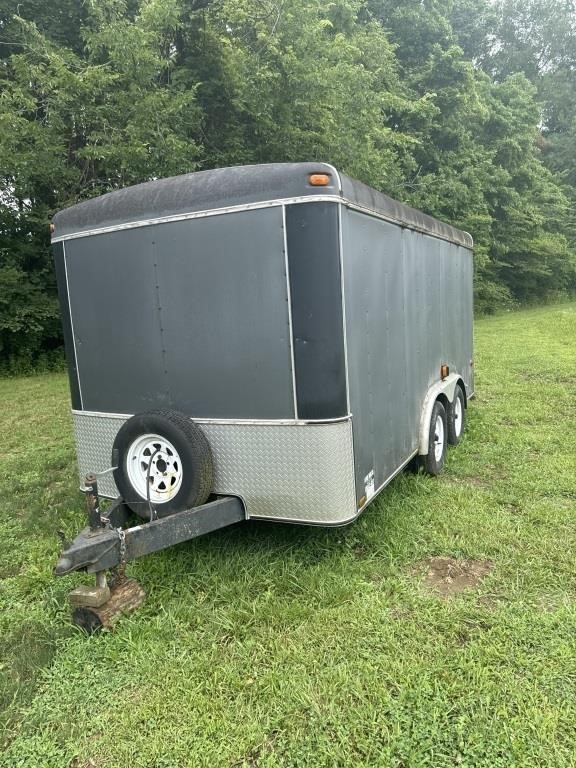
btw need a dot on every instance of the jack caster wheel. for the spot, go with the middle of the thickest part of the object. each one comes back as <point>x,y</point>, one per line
<point>125,598</point>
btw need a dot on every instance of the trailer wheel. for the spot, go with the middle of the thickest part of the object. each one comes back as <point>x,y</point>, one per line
<point>433,462</point>
<point>456,416</point>
<point>164,463</point>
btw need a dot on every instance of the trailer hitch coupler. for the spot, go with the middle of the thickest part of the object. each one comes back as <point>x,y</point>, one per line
<point>63,566</point>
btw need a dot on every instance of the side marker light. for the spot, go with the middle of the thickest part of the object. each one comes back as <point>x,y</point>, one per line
<point>319,179</point>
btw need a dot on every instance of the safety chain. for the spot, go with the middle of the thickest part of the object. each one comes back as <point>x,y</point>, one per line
<point>119,572</point>
<point>122,537</point>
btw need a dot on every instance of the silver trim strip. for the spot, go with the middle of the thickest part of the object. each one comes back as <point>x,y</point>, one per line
<point>344,336</point>
<point>199,215</point>
<point>399,222</point>
<point>308,523</point>
<point>336,173</point>
<point>290,326</point>
<point>102,414</point>
<point>253,207</point>
<point>72,326</point>
<point>343,298</point>
<point>260,422</point>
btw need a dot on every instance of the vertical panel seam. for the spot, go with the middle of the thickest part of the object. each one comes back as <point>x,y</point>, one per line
<point>72,327</point>
<point>345,341</point>
<point>289,301</point>
<point>343,295</point>
<point>165,377</point>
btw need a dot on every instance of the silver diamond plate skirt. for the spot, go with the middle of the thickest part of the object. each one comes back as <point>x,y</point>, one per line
<point>295,472</point>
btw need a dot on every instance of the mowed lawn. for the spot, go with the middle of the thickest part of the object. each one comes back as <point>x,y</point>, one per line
<point>271,645</point>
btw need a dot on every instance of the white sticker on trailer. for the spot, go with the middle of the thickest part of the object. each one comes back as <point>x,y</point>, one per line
<point>369,485</point>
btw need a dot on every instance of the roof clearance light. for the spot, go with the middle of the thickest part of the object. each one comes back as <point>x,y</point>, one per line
<point>319,179</point>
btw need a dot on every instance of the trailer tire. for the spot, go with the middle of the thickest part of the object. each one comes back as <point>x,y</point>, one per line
<point>433,461</point>
<point>164,463</point>
<point>456,417</point>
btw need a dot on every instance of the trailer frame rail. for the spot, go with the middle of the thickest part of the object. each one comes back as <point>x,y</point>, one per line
<point>111,544</point>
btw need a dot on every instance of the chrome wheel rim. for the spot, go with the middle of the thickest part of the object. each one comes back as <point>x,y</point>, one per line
<point>438,438</point>
<point>458,417</point>
<point>154,468</point>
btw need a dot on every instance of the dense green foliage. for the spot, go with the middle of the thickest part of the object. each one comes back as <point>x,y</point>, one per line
<point>463,108</point>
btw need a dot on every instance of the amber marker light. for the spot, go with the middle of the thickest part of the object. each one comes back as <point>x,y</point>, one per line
<point>361,501</point>
<point>319,179</point>
<point>52,228</point>
<point>444,371</point>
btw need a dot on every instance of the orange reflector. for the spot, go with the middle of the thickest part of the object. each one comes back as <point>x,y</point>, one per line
<point>319,179</point>
<point>52,228</point>
<point>361,501</point>
<point>444,371</point>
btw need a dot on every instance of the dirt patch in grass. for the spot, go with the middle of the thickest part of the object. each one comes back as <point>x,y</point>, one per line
<point>449,576</point>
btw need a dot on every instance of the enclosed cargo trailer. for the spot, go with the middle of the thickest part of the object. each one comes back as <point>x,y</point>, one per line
<point>303,322</point>
<point>272,342</point>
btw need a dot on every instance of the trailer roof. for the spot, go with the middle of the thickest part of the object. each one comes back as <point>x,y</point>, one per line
<point>236,188</point>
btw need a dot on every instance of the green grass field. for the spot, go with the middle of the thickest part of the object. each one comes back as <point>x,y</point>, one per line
<point>270,645</point>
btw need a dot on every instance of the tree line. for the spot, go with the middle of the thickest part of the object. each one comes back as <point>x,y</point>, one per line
<point>465,109</point>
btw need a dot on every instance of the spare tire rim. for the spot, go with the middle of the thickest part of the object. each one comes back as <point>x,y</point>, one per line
<point>154,468</point>
<point>438,438</point>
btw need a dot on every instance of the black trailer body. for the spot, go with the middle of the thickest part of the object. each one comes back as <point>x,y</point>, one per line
<point>307,328</point>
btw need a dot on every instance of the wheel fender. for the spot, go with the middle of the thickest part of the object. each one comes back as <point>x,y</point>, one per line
<point>445,387</point>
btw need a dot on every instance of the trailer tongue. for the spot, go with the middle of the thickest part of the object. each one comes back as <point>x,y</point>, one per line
<point>111,540</point>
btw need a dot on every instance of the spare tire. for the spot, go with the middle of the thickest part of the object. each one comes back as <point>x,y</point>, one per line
<point>164,463</point>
